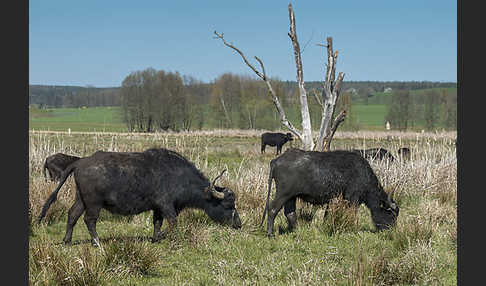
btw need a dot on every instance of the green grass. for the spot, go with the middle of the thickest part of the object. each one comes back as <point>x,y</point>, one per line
<point>77,119</point>
<point>371,116</point>
<point>342,249</point>
<point>108,119</point>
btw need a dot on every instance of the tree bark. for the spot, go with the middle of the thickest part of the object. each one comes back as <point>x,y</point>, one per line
<point>335,125</point>
<point>304,107</point>
<point>329,95</point>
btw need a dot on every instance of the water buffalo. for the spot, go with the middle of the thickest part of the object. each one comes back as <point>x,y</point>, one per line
<point>404,153</point>
<point>129,183</point>
<point>317,177</point>
<point>56,163</point>
<point>375,153</point>
<point>275,139</point>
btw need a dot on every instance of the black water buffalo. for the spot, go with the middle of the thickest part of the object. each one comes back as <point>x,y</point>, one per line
<point>129,183</point>
<point>375,153</point>
<point>404,153</point>
<point>56,163</point>
<point>275,139</point>
<point>317,177</point>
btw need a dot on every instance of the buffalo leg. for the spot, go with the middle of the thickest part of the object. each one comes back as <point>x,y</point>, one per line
<point>279,149</point>
<point>73,215</point>
<point>170,214</point>
<point>90,218</point>
<point>263,148</point>
<point>289,210</point>
<point>158,220</point>
<point>273,209</point>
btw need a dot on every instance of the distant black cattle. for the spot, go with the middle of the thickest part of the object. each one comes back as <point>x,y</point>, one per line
<point>404,153</point>
<point>318,177</point>
<point>130,183</point>
<point>57,163</point>
<point>275,139</point>
<point>375,153</point>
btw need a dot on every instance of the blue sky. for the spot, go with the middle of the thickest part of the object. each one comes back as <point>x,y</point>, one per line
<point>99,43</point>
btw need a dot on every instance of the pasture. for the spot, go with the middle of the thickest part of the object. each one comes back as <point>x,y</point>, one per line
<point>341,249</point>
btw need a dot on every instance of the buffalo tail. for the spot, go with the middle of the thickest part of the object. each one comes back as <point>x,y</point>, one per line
<point>53,197</point>
<point>270,178</point>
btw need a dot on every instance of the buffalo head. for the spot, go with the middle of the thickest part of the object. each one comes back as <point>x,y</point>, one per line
<point>222,204</point>
<point>289,136</point>
<point>386,215</point>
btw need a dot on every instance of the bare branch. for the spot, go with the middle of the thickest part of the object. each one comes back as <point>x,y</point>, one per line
<point>337,121</point>
<point>306,44</point>
<point>263,68</point>
<point>263,76</point>
<point>315,93</point>
<point>220,36</point>
<point>293,37</point>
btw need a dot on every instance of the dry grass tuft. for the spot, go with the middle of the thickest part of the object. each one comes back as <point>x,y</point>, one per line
<point>342,217</point>
<point>136,258</point>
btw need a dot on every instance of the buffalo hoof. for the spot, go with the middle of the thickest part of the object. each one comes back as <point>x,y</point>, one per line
<point>159,237</point>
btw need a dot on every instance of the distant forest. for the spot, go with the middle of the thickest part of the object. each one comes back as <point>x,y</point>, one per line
<point>53,96</point>
<point>152,100</point>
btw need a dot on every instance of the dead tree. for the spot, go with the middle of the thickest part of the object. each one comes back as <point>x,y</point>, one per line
<point>330,93</point>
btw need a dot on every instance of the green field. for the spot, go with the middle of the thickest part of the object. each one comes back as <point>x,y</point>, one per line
<point>77,119</point>
<point>370,117</point>
<point>340,249</point>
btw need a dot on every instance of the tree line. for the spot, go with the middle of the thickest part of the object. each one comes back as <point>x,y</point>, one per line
<point>432,109</point>
<point>156,100</point>
<point>45,96</point>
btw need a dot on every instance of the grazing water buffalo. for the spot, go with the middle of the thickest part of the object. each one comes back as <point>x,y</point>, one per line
<point>404,153</point>
<point>317,177</point>
<point>130,183</point>
<point>275,139</point>
<point>375,153</point>
<point>56,163</point>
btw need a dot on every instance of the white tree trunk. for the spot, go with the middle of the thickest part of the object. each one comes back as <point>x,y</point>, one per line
<point>304,107</point>
<point>329,95</point>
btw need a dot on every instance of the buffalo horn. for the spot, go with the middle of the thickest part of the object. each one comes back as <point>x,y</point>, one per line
<point>213,191</point>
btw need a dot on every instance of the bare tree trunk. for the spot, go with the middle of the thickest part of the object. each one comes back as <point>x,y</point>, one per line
<point>329,95</point>
<point>304,108</point>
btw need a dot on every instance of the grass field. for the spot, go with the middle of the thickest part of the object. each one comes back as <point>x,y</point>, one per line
<point>341,249</point>
<point>77,119</point>
<point>370,117</point>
